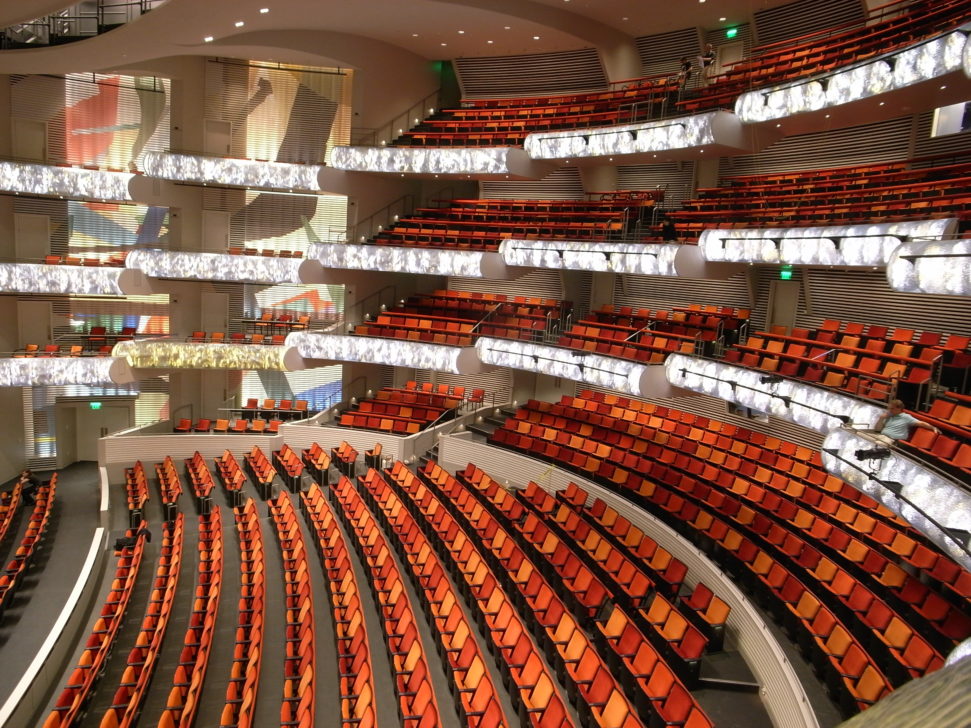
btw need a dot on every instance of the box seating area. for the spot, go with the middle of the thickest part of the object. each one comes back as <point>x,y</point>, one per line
<point>400,412</point>
<point>483,224</point>
<point>710,323</point>
<point>116,260</point>
<point>417,706</point>
<point>15,570</point>
<point>144,655</point>
<point>869,361</point>
<point>893,26</point>
<point>506,122</point>
<point>799,537</point>
<point>864,194</point>
<point>284,409</point>
<point>90,666</point>
<point>627,342</point>
<point>474,692</point>
<point>43,351</point>
<point>187,680</point>
<point>265,253</point>
<point>457,318</point>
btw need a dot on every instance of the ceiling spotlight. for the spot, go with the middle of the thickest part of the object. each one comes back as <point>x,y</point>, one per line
<point>239,23</point>
<point>489,42</point>
<point>507,27</point>
<point>444,44</point>
<point>535,37</point>
<point>208,39</point>
<point>461,32</point>
<point>264,11</point>
<point>625,18</point>
<point>722,20</point>
<point>943,87</point>
<point>414,35</point>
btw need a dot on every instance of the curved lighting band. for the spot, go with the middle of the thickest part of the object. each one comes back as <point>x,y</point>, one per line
<point>375,350</point>
<point>214,266</point>
<point>464,160</point>
<point>58,371</point>
<point>932,266</point>
<point>60,279</point>
<point>399,259</point>
<point>46,179</point>
<point>637,259</point>
<point>232,172</point>
<point>162,354</point>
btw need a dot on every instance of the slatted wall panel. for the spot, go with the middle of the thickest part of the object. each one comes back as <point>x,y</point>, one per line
<point>657,292</point>
<point>881,142</point>
<point>743,35</point>
<point>926,145</point>
<point>497,382</point>
<point>540,283</point>
<point>661,53</point>
<point>795,19</point>
<point>540,74</point>
<point>282,113</point>
<point>865,296</point>
<point>59,220</point>
<point>73,106</point>
<point>563,184</point>
<point>675,178</point>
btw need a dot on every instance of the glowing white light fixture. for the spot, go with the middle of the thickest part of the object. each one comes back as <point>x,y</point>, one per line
<point>376,350</point>
<point>936,506</point>
<point>932,266</point>
<point>58,371</point>
<point>69,182</point>
<point>817,408</point>
<point>923,62</point>
<point>165,354</point>
<point>418,160</point>
<point>71,280</point>
<point>221,267</point>
<point>844,245</point>
<point>719,128</point>
<point>231,172</point>
<point>636,259</point>
<point>621,375</point>
<point>427,261</point>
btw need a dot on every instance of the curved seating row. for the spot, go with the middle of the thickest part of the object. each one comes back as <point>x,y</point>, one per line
<point>143,657</point>
<point>199,476</point>
<point>36,530</point>
<point>9,505</point>
<point>71,701</point>
<point>190,673</point>
<point>355,666</point>
<point>168,480</point>
<point>136,488</point>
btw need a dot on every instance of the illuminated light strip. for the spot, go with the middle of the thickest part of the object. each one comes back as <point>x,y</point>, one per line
<point>846,245</point>
<point>215,266</point>
<point>637,259</point>
<point>57,371</point>
<point>698,130</point>
<point>927,500</point>
<point>415,160</point>
<point>601,371</point>
<point>232,172</point>
<point>163,354</point>
<point>923,62</point>
<point>376,350</point>
<point>71,182</point>
<point>817,408</point>
<point>61,279</point>
<point>427,261</point>
<point>931,266</point>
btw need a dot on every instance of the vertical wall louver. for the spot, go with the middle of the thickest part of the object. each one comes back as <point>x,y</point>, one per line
<point>661,53</point>
<point>656,292</point>
<point>540,74</point>
<point>675,178</point>
<point>798,18</point>
<point>563,184</point>
<point>883,141</point>
<point>540,283</point>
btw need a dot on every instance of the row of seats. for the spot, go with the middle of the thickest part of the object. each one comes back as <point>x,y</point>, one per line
<point>244,680</point>
<point>168,480</point>
<point>114,261</point>
<point>260,468</point>
<point>709,326</point>
<point>284,409</point>
<point>629,343</point>
<point>299,666</point>
<point>9,506</point>
<point>237,337</point>
<point>317,459</point>
<point>288,465</point>
<point>530,682</point>
<point>71,701</point>
<point>389,412</point>
<point>475,694</point>
<point>591,686</point>
<point>136,487</point>
<point>34,534</point>
<point>417,706</point>
<point>344,458</point>
<point>140,665</point>
<point>222,426</point>
<point>230,473</point>
<point>182,703</point>
<point>32,351</point>
<point>199,476</point>
<point>355,666</point>
<point>266,252</point>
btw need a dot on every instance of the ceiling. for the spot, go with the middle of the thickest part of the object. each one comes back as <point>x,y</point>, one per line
<point>429,29</point>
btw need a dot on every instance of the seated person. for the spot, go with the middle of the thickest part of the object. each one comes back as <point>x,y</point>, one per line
<point>895,424</point>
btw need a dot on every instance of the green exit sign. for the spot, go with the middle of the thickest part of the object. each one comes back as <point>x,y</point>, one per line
<point>785,273</point>
<point>731,32</point>
<point>94,405</point>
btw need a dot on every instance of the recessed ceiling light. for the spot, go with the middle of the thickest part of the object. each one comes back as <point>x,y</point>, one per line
<point>208,39</point>
<point>264,11</point>
<point>489,42</point>
<point>827,116</point>
<point>777,126</point>
<point>507,27</point>
<point>535,37</point>
<point>239,23</point>
<point>882,103</point>
<point>414,35</point>
<point>722,20</point>
<point>943,87</point>
<point>444,44</point>
<point>461,32</point>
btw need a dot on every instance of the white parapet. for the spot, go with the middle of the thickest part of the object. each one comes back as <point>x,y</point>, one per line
<point>925,61</point>
<point>70,182</point>
<point>203,169</point>
<point>57,371</point>
<point>929,501</point>
<point>845,245</point>
<point>621,375</point>
<point>932,266</point>
<point>222,267</point>
<point>816,408</point>
<point>714,129</point>
<point>71,280</point>
<point>400,259</point>
<point>376,350</point>
<point>165,354</point>
<point>478,162</point>
<point>637,259</point>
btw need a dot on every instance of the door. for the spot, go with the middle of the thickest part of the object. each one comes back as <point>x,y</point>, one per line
<point>66,432</point>
<point>215,230</point>
<point>726,55</point>
<point>215,312</point>
<point>218,137</point>
<point>95,424</point>
<point>29,139</point>
<point>32,236</point>
<point>35,323</point>
<point>783,303</point>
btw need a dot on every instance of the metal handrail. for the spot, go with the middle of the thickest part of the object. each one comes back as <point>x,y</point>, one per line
<point>388,132</point>
<point>384,218</point>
